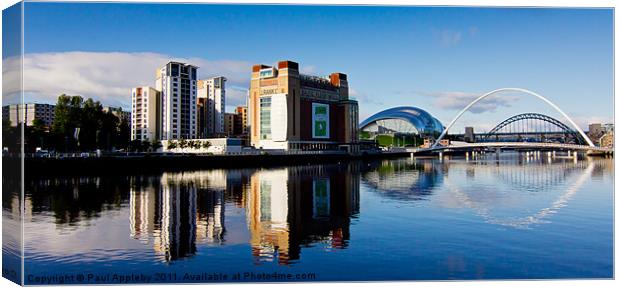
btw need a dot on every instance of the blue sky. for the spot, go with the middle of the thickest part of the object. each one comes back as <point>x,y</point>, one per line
<point>431,57</point>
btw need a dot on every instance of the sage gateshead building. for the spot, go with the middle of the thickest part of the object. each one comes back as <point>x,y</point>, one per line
<point>406,122</point>
<point>293,111</point>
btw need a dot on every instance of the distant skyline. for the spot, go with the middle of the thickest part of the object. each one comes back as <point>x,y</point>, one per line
<point>435,58</point>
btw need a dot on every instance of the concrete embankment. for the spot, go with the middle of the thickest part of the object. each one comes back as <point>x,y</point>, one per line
<point>153,163</point>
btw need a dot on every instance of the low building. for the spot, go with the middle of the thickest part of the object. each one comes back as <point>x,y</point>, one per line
<point>607,140</point>
<point>119,113</point>
<point>229,124</point>
<point>469,135</point>
<point>241,121</point>
<point>595,131</point>
<point>28,113</point>
<point>290,110</point>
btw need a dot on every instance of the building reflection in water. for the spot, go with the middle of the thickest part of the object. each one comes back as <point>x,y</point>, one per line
<point>404,179</point>
<point>177,211</point>
<point>299,206</point>
<point>285,209</point>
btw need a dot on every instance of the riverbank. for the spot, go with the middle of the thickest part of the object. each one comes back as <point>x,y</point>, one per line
<point>154,163</point>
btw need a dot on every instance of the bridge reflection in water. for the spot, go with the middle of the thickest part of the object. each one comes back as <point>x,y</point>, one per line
<point>488,186</point>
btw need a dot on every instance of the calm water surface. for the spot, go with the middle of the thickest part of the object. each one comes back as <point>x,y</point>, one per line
<point>494,218</point>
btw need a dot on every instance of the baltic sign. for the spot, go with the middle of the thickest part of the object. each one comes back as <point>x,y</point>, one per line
<point>320,121</point>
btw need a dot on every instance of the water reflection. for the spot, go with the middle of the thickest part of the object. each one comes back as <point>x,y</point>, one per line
<point>488,185</point>
<point>277,216</point>
<point>569,176</point>
<point>293,207</point>
<point>285,209</point>
<point>404,179</point>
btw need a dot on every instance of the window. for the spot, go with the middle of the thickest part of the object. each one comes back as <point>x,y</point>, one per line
<point>265,118</point>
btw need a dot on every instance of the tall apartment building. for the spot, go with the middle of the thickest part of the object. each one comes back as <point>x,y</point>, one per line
<point>145,114</point>
<point>28,113</point>
<point>211,107</point>
<point>290,110</point>
<point>177,83</point>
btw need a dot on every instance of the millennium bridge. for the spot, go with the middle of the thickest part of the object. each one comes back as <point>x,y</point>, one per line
<point>525,132</point>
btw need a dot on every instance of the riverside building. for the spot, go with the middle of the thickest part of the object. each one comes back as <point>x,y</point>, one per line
<point>27,113</point>
<point>241,120</point>
<point>145,114</point>
<point>177,83</point>
<point>289,110</point>
<point>211,107</point>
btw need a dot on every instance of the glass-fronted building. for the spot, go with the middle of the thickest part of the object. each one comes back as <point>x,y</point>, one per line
<point>400,125</point>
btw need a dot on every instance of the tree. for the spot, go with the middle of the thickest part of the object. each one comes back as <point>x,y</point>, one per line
<point>171,145</point>
<point>135,145</point>
<point>67,117</point>
<point>182,143</point>
<point>108,132</point>
<point>145,146</point>
<point>37,134</point>
<point>124,134</point>
<point>97,129</point>
<point>155,144</point>
<point>11,136</point>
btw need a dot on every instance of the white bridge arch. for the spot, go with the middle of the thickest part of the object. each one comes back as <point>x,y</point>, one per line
<point>445,131</point>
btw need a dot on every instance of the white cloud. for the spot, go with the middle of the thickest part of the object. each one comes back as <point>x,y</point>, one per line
<point>310,70</point>
<point>11,80</point>
<point>584,121</point>
<point>364,98</point>
<point>235,96</point>
<point>108,76</point>
<point>459,100</point>
<point>447,38</point>
<point>473,30</point>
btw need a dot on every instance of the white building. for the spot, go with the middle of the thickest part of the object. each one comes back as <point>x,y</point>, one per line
<point>145,114</point>
<point>212,105</point>
<point>177,83</point>
<point>28,113</point>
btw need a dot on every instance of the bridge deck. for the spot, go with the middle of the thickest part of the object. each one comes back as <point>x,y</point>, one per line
<point>517,145</point>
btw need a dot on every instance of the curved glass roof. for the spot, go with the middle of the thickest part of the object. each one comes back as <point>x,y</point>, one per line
<point>423,122</point>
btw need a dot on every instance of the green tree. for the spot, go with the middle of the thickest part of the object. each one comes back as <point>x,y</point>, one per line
<point>124,134</point>
<point>108,132</point>
<point>97,129</point>
<point>37,134</point>
<point>171,145</point>
<point>155,144</point>
<point>11,136</point>
<point>135,145</point>
<point>182,143</point>
<point>67,117</point>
